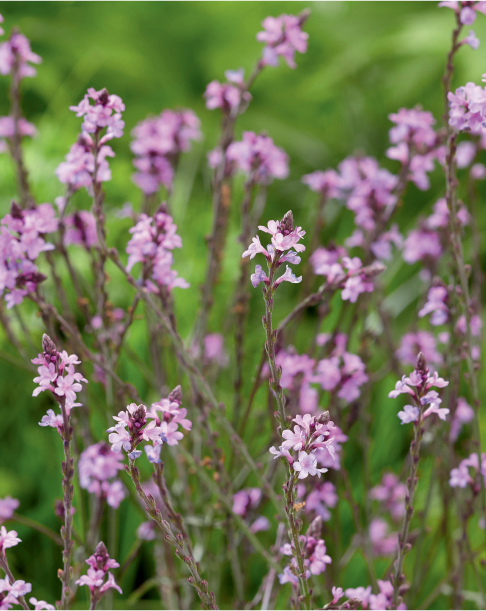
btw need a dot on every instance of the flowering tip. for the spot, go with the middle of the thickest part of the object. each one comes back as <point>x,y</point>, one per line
<point>287,223</point>
<point>15,210</point>
<point>176,394</point>
<point>374,269</point>
<point>48,346</point>
<point>421,363</point>
<point>101,549</point>
<point>315,528</point>
<point>323,418</point>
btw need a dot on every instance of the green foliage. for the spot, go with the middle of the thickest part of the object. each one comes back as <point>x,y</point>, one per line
<point>365,60</point>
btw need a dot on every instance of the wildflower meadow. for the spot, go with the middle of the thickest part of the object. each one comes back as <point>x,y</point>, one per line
<point>241,291</point>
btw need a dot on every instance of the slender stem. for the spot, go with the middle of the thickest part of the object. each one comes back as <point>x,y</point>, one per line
<point>221,208</point>
<point>15,147</point>
<point>11,578</point>
<point>159,480</point>
<point>403,547</point>
<point>274,382</point>
<point>215,489</point>
<point>68,489</point>
<point>177,541</point>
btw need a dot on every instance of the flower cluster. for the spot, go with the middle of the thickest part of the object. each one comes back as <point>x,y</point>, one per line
<point>341,373</point>
<point>158,142</point>
<point>21,241</point>
<point>327,183</point>
<point>152,242</point>
<point>257,156</point>
<point>460,477</point>
<point>310,434</point>
<point>465,9</point>
<point>80,229</point>
<point>245,502</point>
<point>283,36</point>
<point>427,243</point>
<point>342,271</point>
<point>420,341</point>
<point>57,374</point>
<point>231,96</point>
<point>383,600</point>
<point>99,564</point>
<point>313,551</point>
<point>10,592</point>
<point>463,414</point>
<point>367,190</point>
<point>418,386</point>
<point>89,154</point>
<point>322,497</point>
<point>467,108</point>
<point>8,129</point>
<point>390,494</point>
<point>415,144</point>
<point>436,305</point>
<point>285,237</point>
<point>159,425</point>
<point>7,507</point>
<point>16,55</point>
<point>97,465</point>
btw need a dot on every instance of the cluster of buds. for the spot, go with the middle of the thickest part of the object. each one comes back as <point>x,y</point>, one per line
<point>310,435</point>
<point>99,564</point>
<point>158,425</point>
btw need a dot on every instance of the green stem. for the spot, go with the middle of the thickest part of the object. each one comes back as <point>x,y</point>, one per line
<point>177,541</point>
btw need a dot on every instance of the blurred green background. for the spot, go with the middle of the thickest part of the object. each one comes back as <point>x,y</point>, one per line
<point>365,60</point>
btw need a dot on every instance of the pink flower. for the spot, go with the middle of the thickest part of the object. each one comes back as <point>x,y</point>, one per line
<point>40,605</point>
<point>257,155</point>
<point>93,579</point>
<point>283,36</point>
<point>255,248</point>
<point>409,414</point>
<point>307,465</point>
<point>170,434</point>
<point>8,539</point>
<point>7,507</point>
<point>120,438</point>
<point>460,477</point>
<point>110,583</point>
<point>294,441</point>
<point>258,276</point>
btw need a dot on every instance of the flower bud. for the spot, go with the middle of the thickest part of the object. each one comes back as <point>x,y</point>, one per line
<point>287,223</point>
<point>48,346</point>
<point>421,364</point>
<point>315,528</point>
<point>176,394</point>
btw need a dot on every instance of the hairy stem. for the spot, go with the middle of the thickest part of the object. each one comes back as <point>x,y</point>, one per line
<point>177,541</point>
